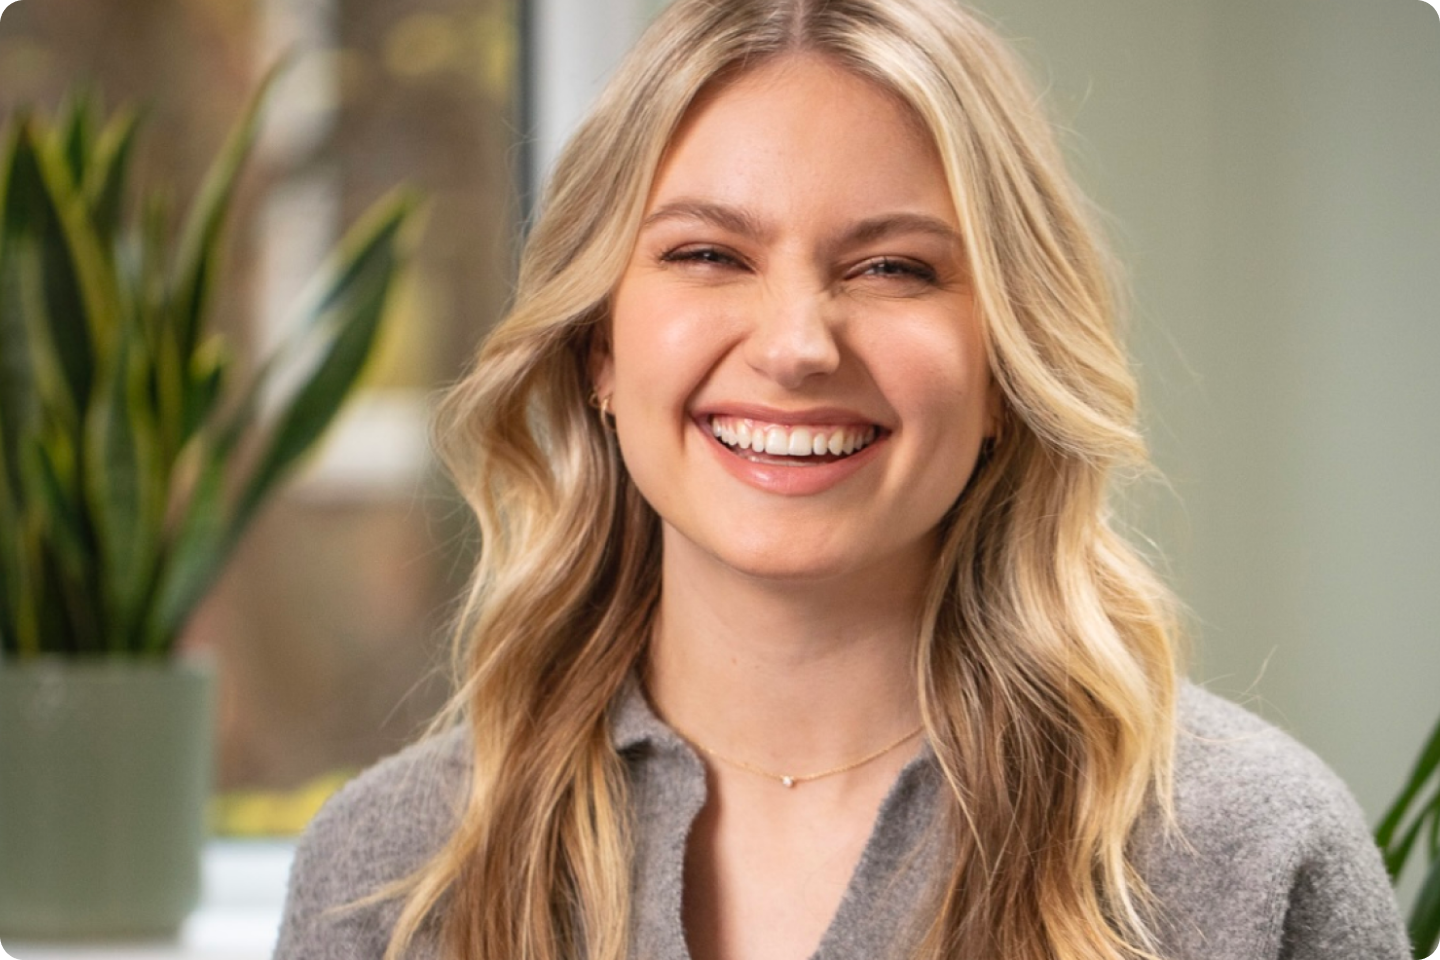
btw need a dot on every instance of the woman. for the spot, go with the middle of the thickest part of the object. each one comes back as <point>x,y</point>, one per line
<point>799,627</point>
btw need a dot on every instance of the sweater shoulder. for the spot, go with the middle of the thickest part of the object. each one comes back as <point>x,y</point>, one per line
<point>1244,785</point>
<point>377,829</point>
<point>1230,761</point>
<point>1269,855</point>
<point>398,809</point>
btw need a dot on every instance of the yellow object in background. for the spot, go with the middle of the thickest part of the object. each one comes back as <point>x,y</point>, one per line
<point>254,814</point>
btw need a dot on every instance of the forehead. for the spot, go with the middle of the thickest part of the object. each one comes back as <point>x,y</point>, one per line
<point>809,125</point>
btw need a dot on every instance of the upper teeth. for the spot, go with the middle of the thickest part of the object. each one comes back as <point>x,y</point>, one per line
<point>779,440</point>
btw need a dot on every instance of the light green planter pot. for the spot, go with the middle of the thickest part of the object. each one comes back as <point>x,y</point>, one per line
<point>105,769</point>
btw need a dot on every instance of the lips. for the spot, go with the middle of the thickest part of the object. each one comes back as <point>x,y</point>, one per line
<point>812,442</point>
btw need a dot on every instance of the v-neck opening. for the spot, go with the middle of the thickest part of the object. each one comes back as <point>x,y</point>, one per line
<point>855,899</point>
<point>870,874</point>
<point>670,789</point>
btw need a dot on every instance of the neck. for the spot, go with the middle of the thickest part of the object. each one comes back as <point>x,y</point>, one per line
<point>793,677</point>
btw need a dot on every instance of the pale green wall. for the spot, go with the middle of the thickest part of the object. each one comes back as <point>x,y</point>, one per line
<point>1273,168</point>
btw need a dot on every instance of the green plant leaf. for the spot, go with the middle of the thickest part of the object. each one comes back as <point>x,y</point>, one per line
<point>1424,925</point>
<point>81,297</point>
<point>77,130</point>
<point>35,254</point>
<point>126,485</point>
<point>199,252</point>
<point>151,305</point>
<point>209,370</point>
<point>150,280</point>
<point>10,563</point>
<point>1397,852</point>
<point>49,492</point>
<point>28,600</point>
<point>344,323</point>
<point>168,384</point>
<point>107,175</point>
<point>199,549</point>
<point>1425,767</point>
<point>19,408</point>
<point>1432,815</point>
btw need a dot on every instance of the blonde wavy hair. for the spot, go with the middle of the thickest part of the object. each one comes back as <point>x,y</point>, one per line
<point>1045,666</point>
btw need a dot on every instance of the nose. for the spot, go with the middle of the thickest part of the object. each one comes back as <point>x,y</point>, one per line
<point>792,337</point>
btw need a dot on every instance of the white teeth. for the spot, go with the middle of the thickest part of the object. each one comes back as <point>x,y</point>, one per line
<point>780,441</point>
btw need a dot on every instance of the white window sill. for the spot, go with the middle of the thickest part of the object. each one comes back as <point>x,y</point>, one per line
<point>243,892</point>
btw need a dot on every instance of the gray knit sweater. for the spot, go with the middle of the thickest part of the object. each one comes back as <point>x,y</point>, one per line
<point>1274,860</point>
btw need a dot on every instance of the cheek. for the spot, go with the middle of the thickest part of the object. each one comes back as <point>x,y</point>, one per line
<point>663,342</point>
<point>936,376</point>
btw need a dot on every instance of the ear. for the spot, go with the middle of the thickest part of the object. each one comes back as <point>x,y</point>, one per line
<point>997,414</point>
<point>601,362</point>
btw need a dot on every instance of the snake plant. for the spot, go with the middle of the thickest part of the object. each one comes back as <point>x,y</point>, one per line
<point>132,454</point>
<point>1412,821</point>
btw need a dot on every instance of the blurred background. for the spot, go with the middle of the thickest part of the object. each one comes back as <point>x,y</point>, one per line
<point>330,626</point>
<point>1270,174</point>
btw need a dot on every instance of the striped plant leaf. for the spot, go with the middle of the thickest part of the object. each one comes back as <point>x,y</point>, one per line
<point>342,327</point>
<point>123,497</point>
<point>197,257</point>
<point>77,130</point>
<point>32,204</point>
<point>107,175</point>
<point>49,490</point>
<point>19,407</point>
<point>209,373</point>
<point>198,549</point>
<point>30,597</point>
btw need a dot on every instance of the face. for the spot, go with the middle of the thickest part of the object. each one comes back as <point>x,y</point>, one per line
<point>795,364</point>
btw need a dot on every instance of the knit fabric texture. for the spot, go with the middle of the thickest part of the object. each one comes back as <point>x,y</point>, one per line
<point>1272,859</point>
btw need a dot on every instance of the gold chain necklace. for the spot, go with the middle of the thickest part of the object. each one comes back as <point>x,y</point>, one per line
<point>789,780</point>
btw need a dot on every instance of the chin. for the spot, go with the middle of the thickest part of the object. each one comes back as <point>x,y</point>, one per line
<point>798,570</point>
<point>797,561</point>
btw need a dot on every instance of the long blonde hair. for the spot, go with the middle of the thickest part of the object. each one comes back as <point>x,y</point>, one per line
<point>1045,667</point>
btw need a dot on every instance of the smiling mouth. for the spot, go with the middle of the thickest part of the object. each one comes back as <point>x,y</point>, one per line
<point>776,442</point>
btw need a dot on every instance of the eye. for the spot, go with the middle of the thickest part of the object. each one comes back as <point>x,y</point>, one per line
<point>896,268</point>
<point>701,257</point>
<point>893,277</point>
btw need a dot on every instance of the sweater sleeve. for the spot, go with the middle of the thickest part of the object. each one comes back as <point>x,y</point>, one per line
<point>1340,903</point>
<point>376,830</point>
<point>1270,857</point>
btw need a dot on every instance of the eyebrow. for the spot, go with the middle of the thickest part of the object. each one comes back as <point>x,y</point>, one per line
<point>734,219</point>
<point>741,221</point>
<point>891,224</point>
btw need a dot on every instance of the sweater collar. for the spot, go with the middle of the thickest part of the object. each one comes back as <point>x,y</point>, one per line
<point>633,722</point>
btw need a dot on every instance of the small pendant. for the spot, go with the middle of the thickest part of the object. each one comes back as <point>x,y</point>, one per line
<point>787,782</point>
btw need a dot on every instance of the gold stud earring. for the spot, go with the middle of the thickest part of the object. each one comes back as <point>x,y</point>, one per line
<point>998,427</point>
<point>607,419</point>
